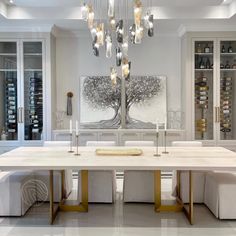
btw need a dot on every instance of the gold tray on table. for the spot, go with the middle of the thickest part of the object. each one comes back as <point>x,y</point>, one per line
<point>119,152</point>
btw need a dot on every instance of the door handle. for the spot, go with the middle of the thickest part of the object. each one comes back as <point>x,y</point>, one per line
<point>22,115</point>
<point>19,115</point>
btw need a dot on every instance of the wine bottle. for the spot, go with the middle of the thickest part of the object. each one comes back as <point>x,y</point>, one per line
<point>199,48</point>
<point>230,49</point>
<point>223,49</point>
<point>227,66</point>
<point>222,66</point>
<point>207,49</point>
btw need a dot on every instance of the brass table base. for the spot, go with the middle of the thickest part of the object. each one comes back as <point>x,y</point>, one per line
<point>179,206</point>
<point>82,207</point>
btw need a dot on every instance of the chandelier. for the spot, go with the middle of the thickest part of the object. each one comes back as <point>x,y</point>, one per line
<point>115,33</point>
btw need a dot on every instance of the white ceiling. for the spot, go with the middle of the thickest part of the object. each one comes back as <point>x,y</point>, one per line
<point>66,3</point>
<point>170,15</point>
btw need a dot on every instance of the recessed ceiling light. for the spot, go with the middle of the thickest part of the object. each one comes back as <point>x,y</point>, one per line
<point>226,2</point>
<point>11,1</point>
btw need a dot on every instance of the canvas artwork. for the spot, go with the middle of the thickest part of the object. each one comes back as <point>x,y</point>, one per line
<point>100,102</point>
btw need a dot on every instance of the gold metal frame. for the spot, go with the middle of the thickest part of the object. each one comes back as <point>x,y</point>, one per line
<point>179,206</point>
<point>82,207</point>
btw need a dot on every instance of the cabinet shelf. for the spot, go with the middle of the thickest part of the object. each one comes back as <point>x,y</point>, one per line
<point>8,54</point>
<point>227,69</point>
<point>29,70</point>
<point>8,70</point>
<point>33,54</point>
<point>203,69</point>
<point>228,54</point>
<point>204,54</point>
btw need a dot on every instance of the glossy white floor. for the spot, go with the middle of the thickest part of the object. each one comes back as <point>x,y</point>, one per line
<point>118,219</point>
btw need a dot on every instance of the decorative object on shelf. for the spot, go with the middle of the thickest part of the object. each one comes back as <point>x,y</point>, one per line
<point>120,26</point>
<point>165,136</point>
<point>101,102</point>
<point>226,105</point>
<point>230,49</point>
<point>227,66</point>
<point>77,138</point>
<point>223,49</point>
<point>69,103</point>
<point>199,48</point>
<point>71,138</point>
<point>3,135</point>
<point>157,140</point>
<point>60,116</point>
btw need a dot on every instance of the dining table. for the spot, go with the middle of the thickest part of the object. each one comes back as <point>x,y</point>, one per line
<point>53,159</point>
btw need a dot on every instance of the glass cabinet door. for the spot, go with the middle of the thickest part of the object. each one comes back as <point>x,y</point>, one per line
<point>227,89</point>
<point>203,87</point>
<point>33,91</point>
<point>8,91</point>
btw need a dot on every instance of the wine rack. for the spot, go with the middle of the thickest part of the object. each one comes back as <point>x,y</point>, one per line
<point>204,67</point>
<point>34,106</point>
<point>11,105</point>
<point>226,106</point>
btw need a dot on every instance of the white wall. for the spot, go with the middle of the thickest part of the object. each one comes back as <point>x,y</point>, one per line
<point>155,56</point>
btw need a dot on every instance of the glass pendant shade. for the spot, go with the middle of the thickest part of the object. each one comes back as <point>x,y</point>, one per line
<point>120,31</point>
<point>146,20</point>
<point>138,35</point>
<point>112,22</point>
<point>118,56</point>
<point>108,41</point>
<point>100,34</point>
<point>132,33</point>
<point>137,12</point>
<point>90,17</point>
<point>125,68</point>
<point>113,76</point>
<point>125,46</point>
<point>151,26</point>
<point>84,12</point>
<point>111,8</point>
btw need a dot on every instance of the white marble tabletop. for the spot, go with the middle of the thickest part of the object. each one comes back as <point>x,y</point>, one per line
<point>179,158</point>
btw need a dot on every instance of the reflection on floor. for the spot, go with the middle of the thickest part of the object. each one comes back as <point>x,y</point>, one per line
<point>117,219</point>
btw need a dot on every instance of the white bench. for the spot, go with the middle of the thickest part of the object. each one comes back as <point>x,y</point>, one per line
<point>220,194</point>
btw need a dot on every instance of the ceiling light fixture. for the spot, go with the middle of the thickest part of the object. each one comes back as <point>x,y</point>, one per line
<point>115,32</point>
<point>11,1</point>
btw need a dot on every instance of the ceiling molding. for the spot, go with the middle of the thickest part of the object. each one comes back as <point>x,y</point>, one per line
<point>32,28</point>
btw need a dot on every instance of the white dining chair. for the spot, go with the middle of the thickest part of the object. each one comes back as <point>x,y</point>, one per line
<point>44,175</point>
<point>198,178</point>
<point>138,185</point>
<point>101,183</point>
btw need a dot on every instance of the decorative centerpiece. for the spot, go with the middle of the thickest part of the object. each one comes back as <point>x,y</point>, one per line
<point>157,139</point>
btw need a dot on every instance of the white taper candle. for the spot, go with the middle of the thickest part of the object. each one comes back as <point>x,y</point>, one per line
<point>70,126</point>
<point>76,128</point>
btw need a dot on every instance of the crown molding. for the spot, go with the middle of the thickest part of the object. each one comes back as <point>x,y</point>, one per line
<point>31,28</point>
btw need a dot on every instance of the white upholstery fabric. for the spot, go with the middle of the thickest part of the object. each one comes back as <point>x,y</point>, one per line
<point>17,192</point>
<point>198,177</point>
<point>44,175</point>
<point>138,185</point>
<point>220,194</point>
<point>102,184</point>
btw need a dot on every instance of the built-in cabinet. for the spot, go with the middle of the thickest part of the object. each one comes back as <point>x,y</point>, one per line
<point>25,90</point>
<point>209,84</point>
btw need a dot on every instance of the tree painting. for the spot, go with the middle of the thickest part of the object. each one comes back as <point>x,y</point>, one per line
<point>99,93</point>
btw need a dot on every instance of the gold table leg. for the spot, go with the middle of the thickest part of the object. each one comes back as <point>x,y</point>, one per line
<point>53,211</point>
<point>83,206</point>
<point>189,212</point>
<point>157,196</point>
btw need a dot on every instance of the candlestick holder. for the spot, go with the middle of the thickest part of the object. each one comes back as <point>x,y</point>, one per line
<point>71,143</point>
<point>157,148</point>
<point>165,134</point>
<point>77,145</point>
